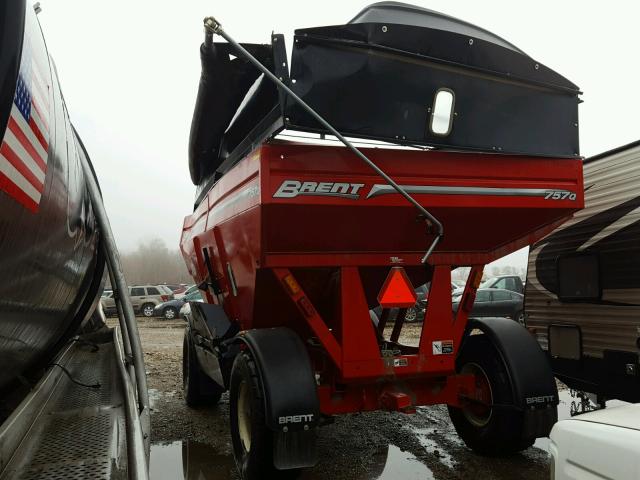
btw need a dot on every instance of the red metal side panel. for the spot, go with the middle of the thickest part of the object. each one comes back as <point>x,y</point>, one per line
<point>227,224</point>
<point>329,203</point>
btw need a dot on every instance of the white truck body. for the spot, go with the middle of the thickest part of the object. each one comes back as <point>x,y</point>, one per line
<point>604,444</point>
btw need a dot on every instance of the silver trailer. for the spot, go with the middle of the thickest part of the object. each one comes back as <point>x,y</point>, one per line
<point>73,392</point>
<point>583,284</point>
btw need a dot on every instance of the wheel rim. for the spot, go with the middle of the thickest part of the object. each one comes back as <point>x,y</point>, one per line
<point>411,315</point>
<point>478,412</point>
<point>244,416</point>
<point>147,311</point>
<point>170,314</point>
<point>521,319</point>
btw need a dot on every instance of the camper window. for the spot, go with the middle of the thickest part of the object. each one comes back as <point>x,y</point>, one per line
<point>442,112</point>
<point>579,278</point>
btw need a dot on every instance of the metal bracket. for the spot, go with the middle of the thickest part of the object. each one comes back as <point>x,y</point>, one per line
<point>280,66</point>
<point>212,26</point>
<point>582,403</point>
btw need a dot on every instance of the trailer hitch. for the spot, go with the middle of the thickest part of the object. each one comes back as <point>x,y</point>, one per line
<point>213,27</point>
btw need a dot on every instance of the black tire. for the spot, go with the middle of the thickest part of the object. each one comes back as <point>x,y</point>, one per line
<point>147,309</point>
<point>198,388</point>
<point>170,313</point>
<point>486,430</point>
<point>248,426</point>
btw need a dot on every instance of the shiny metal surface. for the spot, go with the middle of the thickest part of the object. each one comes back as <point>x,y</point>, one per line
<point>125,308</point>
<point>48,257</point>
<point>78,432</point>
<point>137,431</point>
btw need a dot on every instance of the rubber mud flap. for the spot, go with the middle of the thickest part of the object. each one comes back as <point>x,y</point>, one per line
<point>538,422</point>
<point>295,449</point>
<point>289,382</point>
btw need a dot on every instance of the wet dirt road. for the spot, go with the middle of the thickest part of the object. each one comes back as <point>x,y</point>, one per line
<point>195,444</point>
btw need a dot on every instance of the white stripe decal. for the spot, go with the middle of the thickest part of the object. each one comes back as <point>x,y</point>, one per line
<point>533,256</point>
<point>26,129</point>
<point>35,71</point>
<point>37,97</point>
<point>39,123</point>
<point>16,177</point>
<point>612,228</point>
<point>378,190</point>
<point>35,67</point>
<point>19,150</point>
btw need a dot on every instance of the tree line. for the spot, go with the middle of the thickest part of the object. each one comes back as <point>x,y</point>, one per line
<point>152,262</point>
<point>463,272</point>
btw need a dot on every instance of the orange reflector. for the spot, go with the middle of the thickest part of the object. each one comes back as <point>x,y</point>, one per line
<point>291,284</point>
<point>397,291</point>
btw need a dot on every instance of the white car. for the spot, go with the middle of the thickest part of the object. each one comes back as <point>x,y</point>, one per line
<point>186,308</point>
<point>604,444</point>
<point>189,290</point>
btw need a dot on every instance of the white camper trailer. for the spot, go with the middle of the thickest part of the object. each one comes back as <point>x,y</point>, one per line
<point>583,285</point>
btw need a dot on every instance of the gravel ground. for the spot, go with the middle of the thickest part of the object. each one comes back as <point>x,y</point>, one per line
<point>190,443</point>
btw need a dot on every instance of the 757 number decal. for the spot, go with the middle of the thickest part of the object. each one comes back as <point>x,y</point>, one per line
<point>559,195</point>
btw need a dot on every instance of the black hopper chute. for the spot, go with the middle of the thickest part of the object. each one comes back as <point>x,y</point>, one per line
<point>378,77</point>
<point>231,95</point>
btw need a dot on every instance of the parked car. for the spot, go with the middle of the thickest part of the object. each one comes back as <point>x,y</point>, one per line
<point>512,283</point>
<point>170,310</point>
<point>144,298</point>
<point>186,308</point>
<point>184,311</point>
<point>177,289</point>
<point>106,292</point>
<point>188,289</point>
<point>495,302</point>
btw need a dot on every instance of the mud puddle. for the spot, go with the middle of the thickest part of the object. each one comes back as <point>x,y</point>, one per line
<point>188,460</point>
<point>404,465</point>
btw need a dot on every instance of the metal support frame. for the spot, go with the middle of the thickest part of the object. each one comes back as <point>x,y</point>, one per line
<point>393,395</point>
<point>310,314</point>
<point>467,300</point>
<point>123,327</point>
<point>136,448</point>
<point>126,316</point>
<point>397,325</point>
<point>365,379</point>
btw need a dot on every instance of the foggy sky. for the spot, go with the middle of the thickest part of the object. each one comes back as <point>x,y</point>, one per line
<point>129,72</point>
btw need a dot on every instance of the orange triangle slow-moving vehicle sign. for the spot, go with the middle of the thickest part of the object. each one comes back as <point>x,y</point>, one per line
<point>397,291</point>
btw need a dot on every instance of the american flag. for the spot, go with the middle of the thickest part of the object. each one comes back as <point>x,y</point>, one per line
<point>23,153</point>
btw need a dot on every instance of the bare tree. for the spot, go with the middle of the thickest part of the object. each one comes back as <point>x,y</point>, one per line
<point>152,262</point>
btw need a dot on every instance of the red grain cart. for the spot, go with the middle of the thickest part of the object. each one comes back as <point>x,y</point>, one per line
<point>292,243</point>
